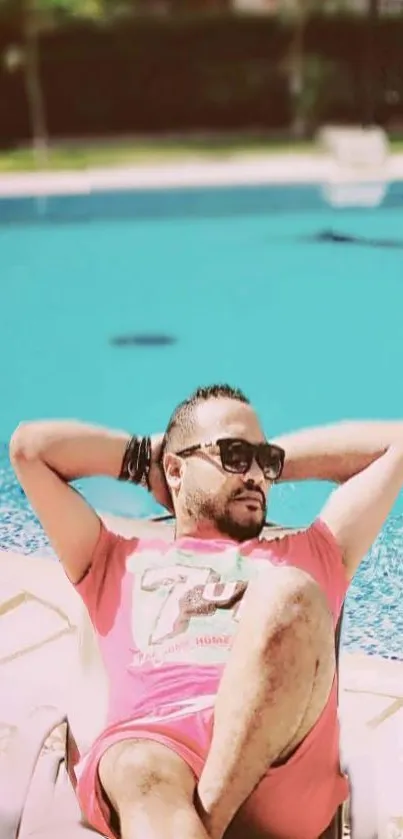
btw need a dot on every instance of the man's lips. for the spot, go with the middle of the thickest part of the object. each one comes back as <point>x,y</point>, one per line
<point>251,499</point>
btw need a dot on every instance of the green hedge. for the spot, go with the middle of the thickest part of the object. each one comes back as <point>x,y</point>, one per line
<point>212,73</point>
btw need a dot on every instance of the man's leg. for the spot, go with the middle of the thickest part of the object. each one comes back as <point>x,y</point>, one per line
<point>151,790</point>
<point>274,688</point>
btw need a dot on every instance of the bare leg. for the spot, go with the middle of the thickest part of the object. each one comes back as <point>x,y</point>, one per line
<point>274,688</point>
<point>152,791</point>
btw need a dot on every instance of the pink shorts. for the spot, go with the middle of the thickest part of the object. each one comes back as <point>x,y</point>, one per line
<point>294,801</point>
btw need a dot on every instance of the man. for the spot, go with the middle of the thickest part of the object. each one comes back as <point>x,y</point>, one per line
<point>219,645</point>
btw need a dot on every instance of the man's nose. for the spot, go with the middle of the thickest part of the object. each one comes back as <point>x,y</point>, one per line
<point>255,474</point>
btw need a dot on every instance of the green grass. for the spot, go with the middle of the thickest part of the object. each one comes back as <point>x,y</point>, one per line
<point>81,156</point>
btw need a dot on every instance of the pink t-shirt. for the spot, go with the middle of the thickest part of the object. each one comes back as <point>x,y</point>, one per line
<point>165,613</point>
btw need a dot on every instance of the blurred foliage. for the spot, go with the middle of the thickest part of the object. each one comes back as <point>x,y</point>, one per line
<point>99,68</point>
<point>35,18</point>
<point>309,75</point>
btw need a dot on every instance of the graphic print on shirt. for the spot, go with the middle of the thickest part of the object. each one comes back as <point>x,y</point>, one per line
<point>185,606</point>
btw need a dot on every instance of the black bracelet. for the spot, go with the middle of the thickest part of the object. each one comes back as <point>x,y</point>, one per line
<point>145,478</point>
<point>143,467</point>
<point>129,458</point>
<point>136,463</point>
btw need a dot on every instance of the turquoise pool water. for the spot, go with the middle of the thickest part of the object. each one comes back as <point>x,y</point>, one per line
<point>254,291</point>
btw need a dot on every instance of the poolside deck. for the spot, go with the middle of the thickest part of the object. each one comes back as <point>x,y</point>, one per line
<point>236,170</point>
<point>41,662</point>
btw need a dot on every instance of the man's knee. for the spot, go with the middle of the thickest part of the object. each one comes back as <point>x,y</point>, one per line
<point>135,769</point>
<point>301,599</point>
<point>288,602</point>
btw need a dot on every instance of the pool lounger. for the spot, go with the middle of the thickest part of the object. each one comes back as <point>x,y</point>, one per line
<point>37,798</point>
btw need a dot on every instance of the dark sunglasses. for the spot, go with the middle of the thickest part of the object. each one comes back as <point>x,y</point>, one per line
<point>237,456</point>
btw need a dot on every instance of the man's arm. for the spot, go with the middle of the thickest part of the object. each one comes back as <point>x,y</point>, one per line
<point>356,512</point>
<point>367,459</point>
<point>46,456</point>
<point>336,452</point>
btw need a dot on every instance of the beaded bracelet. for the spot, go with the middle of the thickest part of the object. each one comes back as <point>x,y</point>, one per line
<point>136,462</point>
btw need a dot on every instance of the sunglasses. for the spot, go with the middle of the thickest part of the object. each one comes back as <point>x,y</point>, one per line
<point>237,456</point>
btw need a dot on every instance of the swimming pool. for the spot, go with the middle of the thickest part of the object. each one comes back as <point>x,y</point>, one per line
<point>268,288</point>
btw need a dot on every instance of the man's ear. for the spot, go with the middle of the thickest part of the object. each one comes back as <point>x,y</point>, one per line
<point>173,467</point>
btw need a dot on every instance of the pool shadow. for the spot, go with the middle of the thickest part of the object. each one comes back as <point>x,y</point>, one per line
<point>334,238</point>
<point>143,340</point>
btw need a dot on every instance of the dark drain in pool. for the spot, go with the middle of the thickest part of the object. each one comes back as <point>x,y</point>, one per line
<point>346,239</point>
<point>146,339</point>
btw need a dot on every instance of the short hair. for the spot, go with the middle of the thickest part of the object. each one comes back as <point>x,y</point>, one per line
<point>183,420</point>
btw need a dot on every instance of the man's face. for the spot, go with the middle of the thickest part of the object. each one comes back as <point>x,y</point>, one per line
<point>234,504</point>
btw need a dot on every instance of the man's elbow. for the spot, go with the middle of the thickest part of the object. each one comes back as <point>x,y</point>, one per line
<point>24,443</point>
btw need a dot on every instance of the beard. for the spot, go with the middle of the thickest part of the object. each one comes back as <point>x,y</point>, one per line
<point>240,531</point>
<point>241,528</point>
